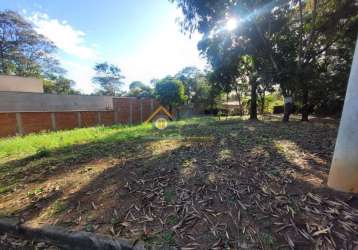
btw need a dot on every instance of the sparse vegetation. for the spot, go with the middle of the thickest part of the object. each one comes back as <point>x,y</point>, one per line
<point>57,207</point>
<point>200,180</point>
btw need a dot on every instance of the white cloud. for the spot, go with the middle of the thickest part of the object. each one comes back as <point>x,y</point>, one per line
<point>164,55</point>
<point>165,52</point>
<point>65,37</point>
<point>82,74</point>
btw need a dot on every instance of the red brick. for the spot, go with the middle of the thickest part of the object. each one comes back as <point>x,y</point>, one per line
<point>107,118</point>
<point>146,104</point>
<point>66,120</point>
<point>36,122</point>
<point>7,124</point>
<point>136,111</point>
<point>121,107</point>
<point>89,118</point>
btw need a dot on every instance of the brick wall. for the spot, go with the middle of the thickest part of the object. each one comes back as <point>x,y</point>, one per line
<point>121,108</point>
<point>136,112</point>
<point>36,122</point>
<point>127,110</point>
<point>66,120</point>
<point>89,118</point>
<point>7,124</point>
<point>106,118</point>
<point>131,110</point>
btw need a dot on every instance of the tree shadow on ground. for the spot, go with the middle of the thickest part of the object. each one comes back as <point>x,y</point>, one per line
<point>231,183</point>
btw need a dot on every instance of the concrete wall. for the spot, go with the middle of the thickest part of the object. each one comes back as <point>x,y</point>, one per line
<point>30,102</point>
<point>20,84</point>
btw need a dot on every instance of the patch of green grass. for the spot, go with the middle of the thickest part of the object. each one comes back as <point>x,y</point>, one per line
<point>280,148</point>
<point>169,196</point>
<point>40,145</point>
<point>151,240</point>
<point>172,220</point>
<point>35,156</point>
<point>58,207</point>
<point>4,190</point>
<point>168,238</point>
<point>42,152</point>
<point>165,238</point>
<point>187,163</point>
<point>35,192</point>
<point>225,154</point>
<point>267,239</point>
<point>232,199</point>
<point>89,228</point>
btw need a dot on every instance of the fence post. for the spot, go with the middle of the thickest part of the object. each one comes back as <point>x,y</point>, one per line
<point>53,121</point>
<point>130,111</point>
<point>19,128</point>
<point>141,111</point>
<point>79,119</point>
<point>115,116</point>
<point>151,105</point>
<point>115,110</point>
<point>99,118</point>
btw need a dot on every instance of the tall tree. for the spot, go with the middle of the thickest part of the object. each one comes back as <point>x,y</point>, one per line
<point>292,38</point>
<point>23,51</point>
<point>170,92</point>
<point>188,76</point>
<point>108,78</point>
<point>59,85</point>
<point>320,27</point>
<point>139,89</point>
<point>137,85</point>
<point>225,47</point>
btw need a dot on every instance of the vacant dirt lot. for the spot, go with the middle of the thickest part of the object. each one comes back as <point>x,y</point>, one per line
<point>199,184</point>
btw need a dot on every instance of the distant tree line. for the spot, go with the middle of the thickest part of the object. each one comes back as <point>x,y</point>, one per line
<point>190,86</point>
<point>292,52</point>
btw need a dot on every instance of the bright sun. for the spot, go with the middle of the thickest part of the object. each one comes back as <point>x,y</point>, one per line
<point>231,24</point>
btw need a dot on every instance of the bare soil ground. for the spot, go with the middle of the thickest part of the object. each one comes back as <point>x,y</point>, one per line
<point>202,184</point>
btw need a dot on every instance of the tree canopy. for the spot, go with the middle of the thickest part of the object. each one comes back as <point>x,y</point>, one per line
<point>140,90</point>
<point>170,92</point>
<point>23,51</point>
<point>108,78</point>
<point>292,44</point>
<point>59,85</point>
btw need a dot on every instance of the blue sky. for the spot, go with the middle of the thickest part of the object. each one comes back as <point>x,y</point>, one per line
<point>142,37</point>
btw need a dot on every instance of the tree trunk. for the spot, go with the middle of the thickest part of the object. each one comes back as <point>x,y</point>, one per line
<point>253,103</point>
<point>287,108</point>
<point>239,99</point>
<point>263,103</point>
<point>177,110</point>
<point>343,175</point>
<point>305,107</point>
<point>227,101</point>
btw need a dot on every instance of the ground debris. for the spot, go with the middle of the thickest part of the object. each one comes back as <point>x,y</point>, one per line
<point>256,185</point>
